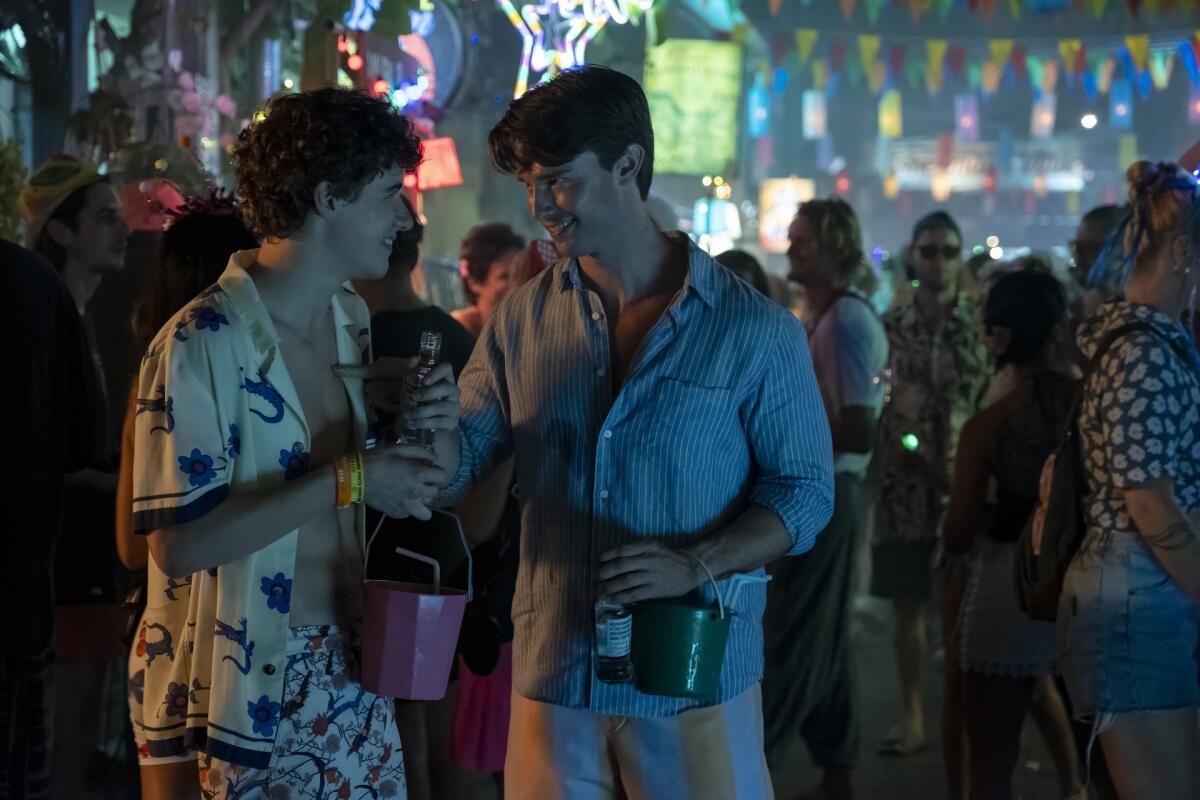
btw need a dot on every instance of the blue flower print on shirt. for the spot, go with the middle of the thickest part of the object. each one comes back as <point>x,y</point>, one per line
<point>279,592</point>
<point>208,317</point>
<point>265,715</point>
<point>176,700</point>
<point>199,468</point>
<point>233,445</point>
<point>137,685</point>
<point>295,461</point>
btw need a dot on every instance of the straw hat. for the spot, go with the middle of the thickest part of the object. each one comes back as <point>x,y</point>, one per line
<point>49,185</point>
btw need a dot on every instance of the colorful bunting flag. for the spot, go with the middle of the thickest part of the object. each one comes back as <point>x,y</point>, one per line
<point>1000,49</point>
<point>897,55</point>
<point>1162,64</point>
<point>943,8</point>
<point>1098,8</point>
<point>877,77</point>
<point>935,71</point>
<point>837,56</point>
<point>990,79</point>
<point>1018,62</point>
<point>774,6</point>
<point>1104,78</point>
<point>957,58</point>
<point>820,74</point>
<point>918,8</point>
<point>1134,6</point>
<point>806,40</point>
<point>974,75</point>
<point>1050,76</point>
<point>1139,50</point>
<point>873,9</point>
<point>868,49</point>
<point>1014,8</point>
<point>1068,50</point>
<point>848,9</point>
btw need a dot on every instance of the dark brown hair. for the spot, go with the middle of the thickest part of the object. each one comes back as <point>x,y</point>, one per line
<point>485,245</point>
<point>588,108</point>
<point>300,140</point>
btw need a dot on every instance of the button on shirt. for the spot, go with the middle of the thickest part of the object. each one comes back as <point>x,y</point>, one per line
<point>218,414</point>
<point>720,410</point>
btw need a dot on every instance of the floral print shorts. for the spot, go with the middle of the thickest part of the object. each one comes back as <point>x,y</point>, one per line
<point>335,741</point>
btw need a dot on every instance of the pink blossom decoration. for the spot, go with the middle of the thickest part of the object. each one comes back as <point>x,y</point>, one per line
<point>226,107</point>
<point>190,102</point>
<point>186,80</point>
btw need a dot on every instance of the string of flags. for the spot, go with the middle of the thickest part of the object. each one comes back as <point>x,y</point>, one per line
<point>1016,9</point>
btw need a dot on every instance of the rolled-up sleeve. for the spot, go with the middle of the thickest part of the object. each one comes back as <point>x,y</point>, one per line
<point>790,439</point>
<point>484,429</point>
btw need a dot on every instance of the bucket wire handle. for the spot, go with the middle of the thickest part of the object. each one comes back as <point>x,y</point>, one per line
<point>462,537</point>
<point>712,580</point>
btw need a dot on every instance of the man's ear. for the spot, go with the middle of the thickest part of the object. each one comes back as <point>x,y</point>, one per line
<point>60,233</point>
<point>629,165</point>
<point>324,202</point>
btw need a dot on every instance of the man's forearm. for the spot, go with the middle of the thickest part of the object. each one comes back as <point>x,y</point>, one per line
<point>753,540</point>
<point>243,524</point>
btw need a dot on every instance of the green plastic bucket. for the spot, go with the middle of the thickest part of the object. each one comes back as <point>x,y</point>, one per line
<point>678,648</point>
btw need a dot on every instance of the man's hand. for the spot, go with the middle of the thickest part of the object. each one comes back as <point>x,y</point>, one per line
<point>647,571</point>
<point>400,481</point>
<point>433,406</point>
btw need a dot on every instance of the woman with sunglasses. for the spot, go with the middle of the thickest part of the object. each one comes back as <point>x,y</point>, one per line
<point>938,372</point>
<point>1129,614</point>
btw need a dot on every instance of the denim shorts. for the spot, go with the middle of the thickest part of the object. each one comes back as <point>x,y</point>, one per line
<point>1127,633</point>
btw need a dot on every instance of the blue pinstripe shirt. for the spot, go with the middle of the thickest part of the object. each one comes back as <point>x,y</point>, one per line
<point>719,410</point>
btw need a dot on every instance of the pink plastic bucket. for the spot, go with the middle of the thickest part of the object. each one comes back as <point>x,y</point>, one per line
<point>410,633</point>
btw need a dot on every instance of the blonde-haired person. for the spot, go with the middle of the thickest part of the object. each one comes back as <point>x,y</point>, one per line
<point>1129,618</point>
<point>808,680</point>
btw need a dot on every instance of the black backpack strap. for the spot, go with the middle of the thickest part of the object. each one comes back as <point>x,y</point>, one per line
<point>1094,363</point>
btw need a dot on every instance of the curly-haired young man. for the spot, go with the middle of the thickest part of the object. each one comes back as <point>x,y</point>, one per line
<point>247,435</point>
<point>665,423</point>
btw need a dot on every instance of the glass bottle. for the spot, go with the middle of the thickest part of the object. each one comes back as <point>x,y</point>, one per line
<point>427,359</point>
<point>614,633</point>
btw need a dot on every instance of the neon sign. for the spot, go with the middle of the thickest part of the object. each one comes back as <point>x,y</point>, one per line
<point>555,33</point>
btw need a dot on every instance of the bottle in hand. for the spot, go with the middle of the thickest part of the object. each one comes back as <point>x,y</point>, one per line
<point>427,359</point>
<point>614,632</point>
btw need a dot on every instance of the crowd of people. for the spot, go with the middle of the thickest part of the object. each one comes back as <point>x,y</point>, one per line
<point>617,419</point>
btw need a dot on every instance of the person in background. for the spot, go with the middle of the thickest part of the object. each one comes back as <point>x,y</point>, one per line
<point>746,267</point>
<point>1094,231</point>
<point>1129,614</point>
<point>200,237</point>
<point>73,218</point>
<point>1006,657</point>
<point>644,392</point>
<point>485,264</point>
<point>808,678</point>
<point>938,374</point>
<point>56,416</point>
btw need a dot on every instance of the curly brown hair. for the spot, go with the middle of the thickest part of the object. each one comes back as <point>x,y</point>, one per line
<point>837,230</point>
<point>300,140</point>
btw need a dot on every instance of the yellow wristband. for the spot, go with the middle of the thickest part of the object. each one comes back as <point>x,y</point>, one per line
<point>358,485</point>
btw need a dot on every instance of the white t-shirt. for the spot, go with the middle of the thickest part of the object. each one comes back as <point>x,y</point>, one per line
<point>849,351</point>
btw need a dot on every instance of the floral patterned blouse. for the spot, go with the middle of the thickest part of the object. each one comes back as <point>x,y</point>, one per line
<point>936,382</point>
<point>1140,418</point>
<point>217,414</point>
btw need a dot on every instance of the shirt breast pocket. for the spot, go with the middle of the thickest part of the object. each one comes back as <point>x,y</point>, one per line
<point>689,416</point>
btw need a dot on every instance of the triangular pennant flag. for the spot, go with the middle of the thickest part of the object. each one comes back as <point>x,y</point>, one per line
<point>1088,79</point>
<point>1139,50</point>
<point>877,77</point>
<point>974,74</point>
<point>1050,76</point>
<point>1134,6</point>
<point>1000,49</point>
<point>854,72</point>
<point>1153,6</point>
<point>806,40</point>
<point>1068,50</point>
<point>918,8</point>
<point>990,79</point>
<point>1081,62</point>
<point>873,9</point>
<point>820,74</point>
<point>914,71</point>
<point>848,8</point>
<point>1020,70</point>
<point>935,72</point>
<point>1037,71</point>
<point>1099,7</point>
<point>774,6</point>
<point>943,8</point>
<point>897,55</point>
<point>1162,64</point>
<point>1104,78</point>
<point>989,8</point>
<point>779,49</point>
<point>1014,8</point>
<point>837,56</point>
<point>957,58</point>
<point>868,49</point>
<point>1145,84</point>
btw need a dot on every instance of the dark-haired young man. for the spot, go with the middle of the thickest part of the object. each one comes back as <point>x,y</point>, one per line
<point>243,412</point>
<point>665,421</point>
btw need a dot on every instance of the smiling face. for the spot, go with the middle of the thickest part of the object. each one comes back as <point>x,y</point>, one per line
<point>579,203</point>
<point>364,229</point>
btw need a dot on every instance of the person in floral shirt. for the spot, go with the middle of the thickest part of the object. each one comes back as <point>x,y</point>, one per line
<point>938,371</point>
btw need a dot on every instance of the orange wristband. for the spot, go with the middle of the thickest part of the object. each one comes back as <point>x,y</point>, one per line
<point>358,484</point>
<point>345,495</point>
